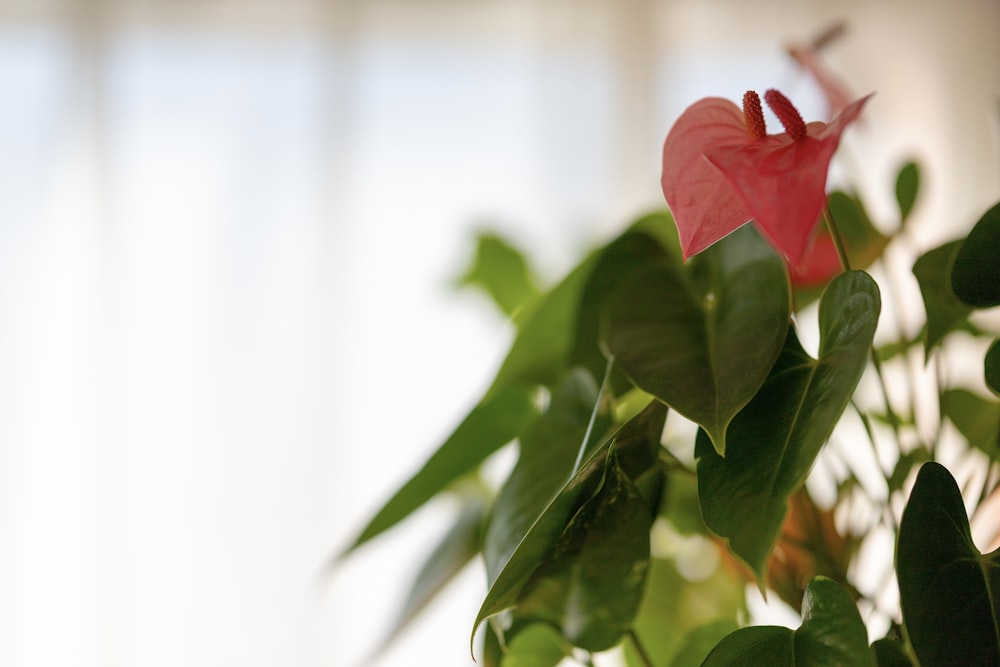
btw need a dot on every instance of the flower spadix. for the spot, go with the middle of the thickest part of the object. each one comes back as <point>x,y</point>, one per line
<point>721,169</point>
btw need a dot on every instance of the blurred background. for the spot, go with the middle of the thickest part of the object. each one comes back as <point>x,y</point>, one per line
<point>229,236</point>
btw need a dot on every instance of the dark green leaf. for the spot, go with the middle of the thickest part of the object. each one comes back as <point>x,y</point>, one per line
<point>891,653</point>
<point>674,607</point>
<point>490,425</point>
<point>776,438</point>
<point>944,310</point>
<point>832,634</point>
<point>703,340</point>
<point>991,367</point>
<point>976,418</point>
<point>591,583</point>
<point>636,444</point>
<point>501,270</point>
<point>548,451</point>
<point>907,187</point>
<point>948,590</point>
<point>975,276</point>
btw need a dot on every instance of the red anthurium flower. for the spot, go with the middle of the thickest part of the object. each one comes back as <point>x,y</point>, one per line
<point>721,169</point>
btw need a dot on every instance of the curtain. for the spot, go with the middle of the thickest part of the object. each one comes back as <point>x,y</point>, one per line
<point>229,233</point>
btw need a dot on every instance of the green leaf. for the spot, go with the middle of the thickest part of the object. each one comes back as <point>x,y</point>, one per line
<point>699,643</point>
<point>591,583</point>
<point>636,444</point>
<point>628,253</point>
<point>776,438</point>
<point>907,186</point>
<point>863,240</point>
<point>547,453</point>
<point>991,367</point>
<point>832,634</point>
<point>976,418</point>
<point>502,272</point>
<point>675,607</point>
<point>948,590</point>
<point>497,420</point>
<point>975,276</point>
<point>703,340</point>
<point>538,645</point>
<point>944,310</point>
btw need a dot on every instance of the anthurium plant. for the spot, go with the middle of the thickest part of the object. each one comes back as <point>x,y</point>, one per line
<point>700,409</point>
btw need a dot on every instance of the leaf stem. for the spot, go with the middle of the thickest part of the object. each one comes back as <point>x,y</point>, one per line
<point>593,415</point>
<point>838,240</point>
<point>640,649</point>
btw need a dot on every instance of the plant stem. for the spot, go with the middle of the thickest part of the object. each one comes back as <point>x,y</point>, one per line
<point>838,240</point>
<point>593,415</point>
<point>640,649</point>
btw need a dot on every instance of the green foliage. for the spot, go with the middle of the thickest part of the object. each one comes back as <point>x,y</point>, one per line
<point>702,338</point>
<point>907,187</point>
<point>948,590</point>
<point>774,441</point>
<point>502,272</point>
<point>944,310</point>
<point>832,634</point>
<point>975,275</point>
<point>991,367</point>
<point>976,418</point>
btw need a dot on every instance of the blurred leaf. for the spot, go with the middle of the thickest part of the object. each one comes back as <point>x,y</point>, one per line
<point>618,260</point>
<point>591,583</point>
<point>976,418</point>
<point>699,643</point>
<point>948,590</point>
<point>681,505</point>
<point>890,651</point>
<point>538,645</point>
<point>502,272</point>
<point>991,367</point>
<point>904,465</point>
<point>776,438</point>
<point>702,340</point>
<point>944,310</point>
<point>547,453</point>
<point>459,546</point>
<point>636,444</point>
<point>490,425</point>
<point>832,634</point>
<point>674,607</point>
<point>907,187</point>
<point>975,275</point>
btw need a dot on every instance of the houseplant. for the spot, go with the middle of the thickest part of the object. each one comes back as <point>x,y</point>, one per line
<point>621,526</point>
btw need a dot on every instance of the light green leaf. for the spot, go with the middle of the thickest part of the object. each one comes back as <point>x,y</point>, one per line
<point>636,444</point>
<point>976,418</point>
<point>490,425</point>
<point>502,272</point>
<point>907,187</point>
<point>538,645</point>
<point>944,310</point>
<point>703,338</point>
<point>699,643</point>
<point>975,275</point>
<point>776,438</point>
<point>832,634</point>
<point>948,590</point>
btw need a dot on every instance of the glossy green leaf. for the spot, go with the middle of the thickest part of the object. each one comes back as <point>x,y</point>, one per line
<point>991,367</point>
<point>949,592</point>
<point>832,634</point>
<point>547,453</point>
<point>538,645</point>
<point>636,444</point>
<point>502,272</point>
<point>591,583</point>
<point>976,418</point>
<point>944,310</point>
<point>975,275</point>
<point>907,187</point>
<point>628,253</point>
<point>776,438</point>
<point>675,607</point>
<point>459,545</point>
<point>490,425</point>
<point>703,338</point>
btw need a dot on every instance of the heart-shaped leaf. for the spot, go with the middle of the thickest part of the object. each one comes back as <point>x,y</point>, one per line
<point>949,592</point>
<point>991,367</point>
<point>490,425</point>
<point>832,634</point>
<point>702,340</point>
<point>636,445</point>
<point>976,418</point>
<point>975,276</point>
<point>775,439</point>
<point>944,310</point>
